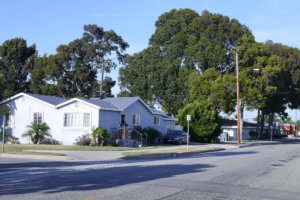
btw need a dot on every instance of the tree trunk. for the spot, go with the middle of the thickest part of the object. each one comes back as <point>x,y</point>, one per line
<point>270,128</point>
<point>242,120</point>
<point>258,120</point>
<point>270,124</point>
<point>262,123</point>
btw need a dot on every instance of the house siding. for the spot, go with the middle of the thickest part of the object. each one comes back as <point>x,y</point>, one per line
<point>67,135</point>
<point>110,120</point>
<point>23,108</point>
<point>146,117</point>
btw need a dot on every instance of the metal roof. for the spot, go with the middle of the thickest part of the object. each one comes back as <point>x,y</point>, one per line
<point>121,102</point>
<point>54,100</point>
<point>114,104</point>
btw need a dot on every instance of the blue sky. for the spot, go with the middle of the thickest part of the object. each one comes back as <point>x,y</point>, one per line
<point>50,23</point>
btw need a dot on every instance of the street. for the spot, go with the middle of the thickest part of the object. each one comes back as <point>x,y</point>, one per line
<point>262,171</point>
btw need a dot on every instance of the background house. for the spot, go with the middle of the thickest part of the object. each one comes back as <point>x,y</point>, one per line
<point>229,129</point>
<point>69,118</point>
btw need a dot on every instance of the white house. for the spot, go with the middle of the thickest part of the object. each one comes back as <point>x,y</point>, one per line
<point>69,118</point>
<point>229,129</point>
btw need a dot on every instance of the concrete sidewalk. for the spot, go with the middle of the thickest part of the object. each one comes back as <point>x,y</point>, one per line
<point>111,155</point>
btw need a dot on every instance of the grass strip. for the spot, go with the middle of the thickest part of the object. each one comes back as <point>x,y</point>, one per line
<point>167,152</point>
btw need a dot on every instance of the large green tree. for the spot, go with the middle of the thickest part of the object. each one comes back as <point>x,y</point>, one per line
<point>183,42</point>
<point>16,63</point>
<point>73,70</point>
<point>205,124</point>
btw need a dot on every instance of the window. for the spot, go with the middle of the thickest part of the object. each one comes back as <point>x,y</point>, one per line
<point>77,120</point>
<point>156,120</point>
<point>136,119</point>
<point>37,118</point>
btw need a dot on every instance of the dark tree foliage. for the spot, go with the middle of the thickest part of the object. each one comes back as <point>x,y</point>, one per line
<point>73,69</point>
<point>16,63</point>
<point>291,78</point>
<point>183,42</point>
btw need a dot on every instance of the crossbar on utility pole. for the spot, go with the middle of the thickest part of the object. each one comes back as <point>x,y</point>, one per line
<point>238,98</point>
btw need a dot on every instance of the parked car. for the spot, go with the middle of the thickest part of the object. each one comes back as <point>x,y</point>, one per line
<point>176,137</point>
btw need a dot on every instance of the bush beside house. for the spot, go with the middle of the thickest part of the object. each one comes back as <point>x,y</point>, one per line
<point>253,134</point>
<point>101,136</point>
<point>205,124</point>
<point>37,132</point>
<point>153,135</point>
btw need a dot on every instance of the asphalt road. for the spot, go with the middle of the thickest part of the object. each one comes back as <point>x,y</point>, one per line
<point>264,171</point>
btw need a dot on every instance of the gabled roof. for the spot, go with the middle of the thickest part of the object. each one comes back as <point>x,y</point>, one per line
<point>46,99</point>
<point>113,104</point>
<point>102,104</point>
<point>54,100</point>
<point>233,122</point>
<point>157,112</point>
<point>121,102</point>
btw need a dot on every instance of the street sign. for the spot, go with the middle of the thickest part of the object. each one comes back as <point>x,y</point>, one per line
<point>4,109</point>
<point>188,117</point>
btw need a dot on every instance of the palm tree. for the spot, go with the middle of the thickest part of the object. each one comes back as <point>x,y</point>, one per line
<point>37,132</point>
<point>101,134</point>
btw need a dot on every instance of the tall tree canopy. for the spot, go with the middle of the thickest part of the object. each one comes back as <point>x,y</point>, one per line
<point>183,42</point>
<point>73,70</point>
<point>16,63</point>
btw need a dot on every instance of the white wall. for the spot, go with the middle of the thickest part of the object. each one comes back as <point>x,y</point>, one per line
<point>67,134</point>
<point>232,132</point>
<point>23,108</point>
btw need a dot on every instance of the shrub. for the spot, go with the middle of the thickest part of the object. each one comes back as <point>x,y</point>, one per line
<point>7,137</point>
<point>84,140</point>
<point>37,132</point>
<point>205,124</point>
<point>153,135</point>
<point>51,141</point>
<point>253,134</point>
<point>100,134</point>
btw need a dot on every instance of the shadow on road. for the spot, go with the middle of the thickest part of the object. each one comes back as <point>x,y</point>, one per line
<point>19,166</point>
<point>45,177</point>
<point>98,178</point>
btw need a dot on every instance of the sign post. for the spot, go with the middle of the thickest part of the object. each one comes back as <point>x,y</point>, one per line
<point>188,118</point>
<point>5,110</point>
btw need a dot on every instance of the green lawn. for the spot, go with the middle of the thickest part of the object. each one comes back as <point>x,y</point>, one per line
<point>21,148</point>
<point>25,149</point>
<point>167,152</point>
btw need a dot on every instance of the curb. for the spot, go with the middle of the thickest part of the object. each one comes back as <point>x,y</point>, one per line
<point>38,157</point>
<point>246,145</point>
<point>169,155</point>
<point>175,155</point>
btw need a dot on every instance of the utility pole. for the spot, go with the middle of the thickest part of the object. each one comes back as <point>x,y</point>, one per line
<point>105,64</point>
<point>3,132</point>
<point>238,97</point>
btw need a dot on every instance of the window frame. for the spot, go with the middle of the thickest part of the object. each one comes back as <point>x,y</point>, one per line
<point>75,121</point>
<point>136,119</point>
<point>156,122</point>
<point>37,118</point>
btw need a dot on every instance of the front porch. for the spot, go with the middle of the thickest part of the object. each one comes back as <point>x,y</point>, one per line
<point>130,137</point>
